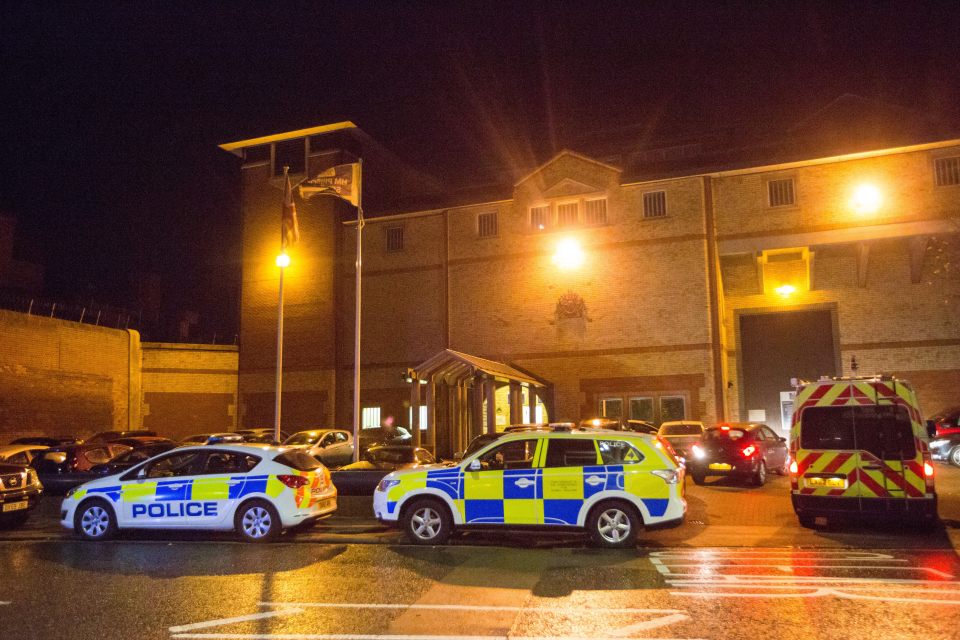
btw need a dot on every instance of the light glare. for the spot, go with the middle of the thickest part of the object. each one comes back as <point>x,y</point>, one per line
<point>569,255</point>
<point>283,260</point>
<point>866,199</point>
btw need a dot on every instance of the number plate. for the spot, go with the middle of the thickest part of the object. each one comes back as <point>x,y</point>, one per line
<point>831,483</point>
<point>16,506</point>
<point>325,504</point>
<point>721,466</point>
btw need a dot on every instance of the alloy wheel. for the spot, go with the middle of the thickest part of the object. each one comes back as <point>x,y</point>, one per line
<point>257,522</point>
<point>95,521</point>
<point>614,525</point>
<point>426,523</point>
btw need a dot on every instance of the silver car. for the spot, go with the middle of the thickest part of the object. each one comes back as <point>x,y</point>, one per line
<point>332,447</point>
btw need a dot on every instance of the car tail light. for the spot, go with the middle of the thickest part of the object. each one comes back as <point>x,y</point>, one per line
<point>748,450</point>
<point>294,482</point>
<point>793,466</point>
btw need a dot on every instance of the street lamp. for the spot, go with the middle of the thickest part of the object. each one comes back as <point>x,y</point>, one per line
<point>282,261</point>
<point>866,199</point>
<point>569,255</point>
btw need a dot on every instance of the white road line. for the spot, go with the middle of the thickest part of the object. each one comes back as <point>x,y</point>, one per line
<point>224,621</point>
<point>464,607</point>
<point>656,623</point>
<point>373,636</point>
<point>818,593</point>
<point>788,568</point>
<point>769,552</point>
<point>774,562</point>
<point>747,578</point>
<point>920,588</point>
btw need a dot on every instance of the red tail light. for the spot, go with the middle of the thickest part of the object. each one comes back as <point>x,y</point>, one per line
<point>294,482</point>
<point>793,467</point>
<point>928,469</point>
<point>748,450</point>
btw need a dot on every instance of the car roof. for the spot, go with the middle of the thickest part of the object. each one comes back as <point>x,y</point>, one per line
<point>10,449</point>
<point>671,423</point>
<point>745,426</point>
<point>237,447</point>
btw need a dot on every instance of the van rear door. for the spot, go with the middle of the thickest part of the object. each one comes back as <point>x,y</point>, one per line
<point>891,464</point>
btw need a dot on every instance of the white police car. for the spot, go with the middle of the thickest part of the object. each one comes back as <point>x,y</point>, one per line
<point>254,490</point>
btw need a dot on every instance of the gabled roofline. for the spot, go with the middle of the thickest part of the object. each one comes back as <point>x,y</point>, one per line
<point>566,152</point>
<point>235,147</point>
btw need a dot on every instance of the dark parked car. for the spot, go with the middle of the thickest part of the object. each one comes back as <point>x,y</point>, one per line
<point>20,491</point>
<point>361,478</point>
<point>379,435</point>
<point>745,451</point>
<point>133,457</point>
<point>110,436</point>
<point>619,424</point>
<point>681,435</point>
<point>262,436</point>
<point>141,441</point>
<point>224,437</point>
<point>946,447</point>
<point>55,441</point>
<point>62,468</point>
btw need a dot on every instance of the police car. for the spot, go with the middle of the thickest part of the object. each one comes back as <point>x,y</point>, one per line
<point>610,483</point>
<point>254,490</point>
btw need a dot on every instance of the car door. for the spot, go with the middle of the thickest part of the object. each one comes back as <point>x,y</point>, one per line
<point>571,474</point>
<point>217,487</point>
<point>340,451</point>
<point>506,488</point>
<point>155,495</point>
<point>777,448</point>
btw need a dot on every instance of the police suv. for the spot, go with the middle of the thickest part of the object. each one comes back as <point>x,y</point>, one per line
<point>610,483</point>
<point>254,490</point>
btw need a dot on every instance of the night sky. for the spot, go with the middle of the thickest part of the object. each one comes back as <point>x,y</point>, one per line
<point>111,113</point>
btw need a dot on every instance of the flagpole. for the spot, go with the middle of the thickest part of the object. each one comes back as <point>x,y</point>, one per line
<point>276,421</point>
<point>356,333</point>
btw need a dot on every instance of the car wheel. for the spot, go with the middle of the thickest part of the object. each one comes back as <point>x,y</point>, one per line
<point>954,456</point>
<point>698,478</point>
<point>95,520</point>
<point>427,522</point>
<point>760,475</point>
<point>614,525</point>
<point>257,521</point>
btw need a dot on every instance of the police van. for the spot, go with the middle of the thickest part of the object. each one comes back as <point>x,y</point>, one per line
<point>254,490</point>
<point>610,483</point>
<point>859,447</point>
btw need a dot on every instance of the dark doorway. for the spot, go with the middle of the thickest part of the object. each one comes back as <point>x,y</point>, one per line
<point>775,347</point>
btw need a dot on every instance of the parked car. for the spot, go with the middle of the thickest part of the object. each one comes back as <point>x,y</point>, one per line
<point>362,477</point>
<point>224,437</point>
<point>255,491</point>
<point>743,450</point>
<point>945,423</point>
<point>55,441</point>
<point>110,436</point>
<point>133,457</point>
<point>20,491</point>
<point>62,468</point>
<point>619,424</point>
<point>136,442</point>
<point>21,454</point>
<point>379,435</point>
<point>681,434</point>
<point>332,447</point>
<point>946,448</point>
<point>262,436</point>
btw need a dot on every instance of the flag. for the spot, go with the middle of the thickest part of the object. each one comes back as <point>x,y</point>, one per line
<point>289,229</point>
<point>342,181</point>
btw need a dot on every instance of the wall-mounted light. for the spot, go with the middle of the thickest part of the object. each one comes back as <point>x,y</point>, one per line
<point>283,260</point>
<point>785,290</point>
<point>866,199</point>
<point>569,255</point>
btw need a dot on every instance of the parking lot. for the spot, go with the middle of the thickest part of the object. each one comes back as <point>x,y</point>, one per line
<point>721,513</point>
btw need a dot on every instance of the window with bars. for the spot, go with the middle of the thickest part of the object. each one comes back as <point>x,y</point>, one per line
<point>947,171</point>
<point>370,417</point>
<point>780,192</point>
<point>655,204</point>
<point>540,217</point>
<point>595,211</point>
<point>567,214</point>
<point>394,238</point>
<point>487,224</point>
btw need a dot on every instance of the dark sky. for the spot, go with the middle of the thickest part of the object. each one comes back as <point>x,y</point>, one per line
<point>111,112</point>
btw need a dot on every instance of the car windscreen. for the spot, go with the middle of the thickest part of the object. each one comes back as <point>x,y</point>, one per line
<point>390,456</point>
<point>298,460</point>
<point>681,430</point>
<point>723,434</point>
<point>299,439</point>
<point>884,431</point>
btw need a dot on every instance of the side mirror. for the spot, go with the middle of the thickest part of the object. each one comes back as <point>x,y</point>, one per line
<point>782,439</point>
<point>475,465</point>
<point>142,473</point>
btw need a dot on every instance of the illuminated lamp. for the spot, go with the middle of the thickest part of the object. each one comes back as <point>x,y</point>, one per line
<point>569,255</point>
<point>866,199</point>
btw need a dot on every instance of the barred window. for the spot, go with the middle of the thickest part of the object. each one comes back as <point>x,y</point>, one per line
<point>567,214</point>
<point>540,217</point>
<point>487,224</point>
<point>947,171</point>
<point>595,211</point>
<point>394,238</point>
<point>655,204</point>
<point>780,192</point>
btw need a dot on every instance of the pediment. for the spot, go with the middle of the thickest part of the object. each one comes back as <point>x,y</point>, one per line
<point>569,187</point>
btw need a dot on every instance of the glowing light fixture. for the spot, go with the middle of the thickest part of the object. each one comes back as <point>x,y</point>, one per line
<point>866,199</point>
<point>786,290</point>
<point>569,255</point>
<point>283,260</point>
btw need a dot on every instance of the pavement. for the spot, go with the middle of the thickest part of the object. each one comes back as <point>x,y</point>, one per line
<point>721,513</point>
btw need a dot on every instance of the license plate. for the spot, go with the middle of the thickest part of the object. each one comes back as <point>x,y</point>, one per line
<point>16,506</point>
<point>832,483</point>
<point>325,504</point>
<point>721,466</point>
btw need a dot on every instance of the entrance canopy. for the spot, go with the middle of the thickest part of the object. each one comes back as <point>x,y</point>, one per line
<point>461,398</point>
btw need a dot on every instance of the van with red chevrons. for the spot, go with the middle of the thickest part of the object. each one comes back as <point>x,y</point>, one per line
<point>859,448</point>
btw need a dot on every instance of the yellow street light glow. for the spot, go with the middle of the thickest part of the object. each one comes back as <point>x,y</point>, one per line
<point>569,255</point>
<point>283,261</point>
<point>866,199</point>
<point>786,290</point>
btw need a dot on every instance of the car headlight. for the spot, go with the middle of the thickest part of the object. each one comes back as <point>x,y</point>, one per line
<point>386,484</point>
<point>32,477</point>
<point>670,476</point>
<point>698,452</point>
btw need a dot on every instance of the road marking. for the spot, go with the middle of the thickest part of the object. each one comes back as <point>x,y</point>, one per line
<point>819,592</point>
<point>464,607</point>
<point>656,623</point>
<point>224,621</point>
<point>374,636</point>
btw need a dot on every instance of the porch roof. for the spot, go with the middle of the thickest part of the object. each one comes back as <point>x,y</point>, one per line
<point>450,366</point>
